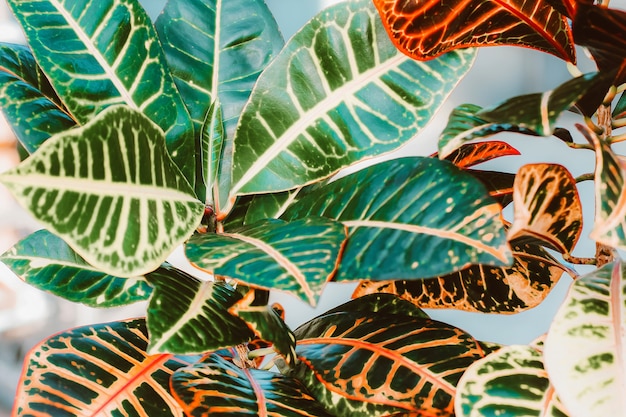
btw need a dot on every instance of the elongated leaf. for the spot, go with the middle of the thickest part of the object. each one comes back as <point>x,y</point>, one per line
<point>512,382</point>
<point>590,379</point>
<point>610,193</point>
<point>547,206</point>
<point>472,154</point>
<point>480,288</point>
<point>266,324</point>
<point>410,218</point>
<point>380,303</point>
<point>338,92</point>
<point>100,53</point>
<point>188,316</point>
<point>360,364</point>
<point>426,29</point>
<point>532,114</point>
<point>45,261</point>
<point>211,150</point>
<point>217,387</point>
<point>111,191</point>
<point>28,102</point>
<point>619,111</point>
<point>100,370</point>
<point>298,257</point>
<point>499,184</point>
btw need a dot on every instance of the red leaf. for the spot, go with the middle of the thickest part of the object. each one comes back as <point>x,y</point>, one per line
<point>424,29</point>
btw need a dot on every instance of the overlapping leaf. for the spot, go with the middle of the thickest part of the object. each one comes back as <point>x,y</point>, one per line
<point>45,261</point>
<point>481,288</point>
<point>212,136</point>
<point>99,370</point>
<point>410,218</point>
<point>27,100</point>
<point>590,379</point>
<point>337,93</point>
<point>511,381</point>
<point>111,191</point>
<point>360,364</point>
<point>426,29</point>
<point>266,324</point>
<point>380,303</point>
<point>217,387</point>
<point>610,193</point>
<point>499,184</point>
<point>187,315</point>
<point>532,114</point>
<point>471,154</point>
<point>298,257</point>
<point>547,206</point>
<point>100,53</point>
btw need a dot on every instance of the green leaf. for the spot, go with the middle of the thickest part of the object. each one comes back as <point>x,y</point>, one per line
<point>591,377</point>
<point>339,92</point>
<point>479,288</point>
<point>382,304</point>
<point>27,99</point>
<point>187,315</point>
<point>266,324</point>
<point>299,257</point>
<point>410,218</point>
<point>100,53</point>
<point>211,151</point>
<point>45,261</point>
<point>216,50</point>
<point>531,114</point>
<point>111,191</point>
<point>509,382</point>
<point>370,364</point>
<point>98,370</point>
<point>215,386</point>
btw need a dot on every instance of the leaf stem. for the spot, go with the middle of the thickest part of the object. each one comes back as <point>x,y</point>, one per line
<point>585,177</point>
<point>578,261</point>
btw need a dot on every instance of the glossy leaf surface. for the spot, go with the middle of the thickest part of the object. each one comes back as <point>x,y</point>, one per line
<point>361,364</point>
<point>480,288</point>
<point>45,261</point>
<point>532,114</point>
<point>509,382</point>
<point>547,206</point>
<point>99,371</point>
<point>424,29</point>
<point>380,303</point>
<point>216,49</point>
<point>217,387</point>
<point>472,154</point>
<point>410,218</point>
<point>212,136</point>
<point>27,99</point>
<point>610,193</point>
<point>111,191</point>
<point>188,316</point>
<point>590,379</point>
<point>298,257</point>
<point>101,53</point>
<point>339,92</point>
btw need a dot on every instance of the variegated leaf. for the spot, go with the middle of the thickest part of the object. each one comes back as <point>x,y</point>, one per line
<point>339,92</point>
<point>610,193</point>
<point>509,382</point>
<point>410,218</point>
<point>499,184</point>
<point>217,387</point>
<point>426,29</point>
<point>100,370</point>
<point>472,154</point>
<point>360,364</point>
<point>299,257</point>
<point>531,114</point>
<point>187,315</point>
<point>111,191</point>
<point>585,349</point>
<point>380,303</point>
<point>266,324</point>
<point>212,137</point>
<point>547,206</point>
<point>480,288</point>
<point>45,261</point>
<point>27,99</point>
<point>100,53</point>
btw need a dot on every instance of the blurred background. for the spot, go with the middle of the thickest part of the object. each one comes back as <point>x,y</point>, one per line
<point>28,315</point>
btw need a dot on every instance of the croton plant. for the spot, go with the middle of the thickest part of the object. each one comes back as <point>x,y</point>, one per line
<point>206,130</point>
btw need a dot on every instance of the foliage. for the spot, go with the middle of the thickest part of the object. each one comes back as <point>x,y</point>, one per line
<point>205,129</point>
